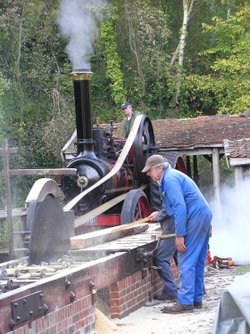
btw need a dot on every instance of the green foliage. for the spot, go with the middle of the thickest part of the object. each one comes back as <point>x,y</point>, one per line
<point>226,88</point>
<point>241,270</point>
<point>108,46</point>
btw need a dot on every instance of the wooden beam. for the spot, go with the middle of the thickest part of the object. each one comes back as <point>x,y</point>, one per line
<point>10,150</point>
<point>216,178</point>
<point>5,153</point>
<point>238,175</point>
<point>196,172</point>
<point>98,237</point>
<point>188,164</point>
<point>43,172</point>
<point>208,157</point>
<point>239,161</point>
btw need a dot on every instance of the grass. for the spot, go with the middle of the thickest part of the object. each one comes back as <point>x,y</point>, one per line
<point>241,270</point>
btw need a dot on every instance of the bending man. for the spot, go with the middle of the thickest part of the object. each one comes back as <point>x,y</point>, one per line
<point>184,201</point>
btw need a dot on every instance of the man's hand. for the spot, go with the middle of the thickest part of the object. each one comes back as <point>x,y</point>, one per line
<point>153,216</point>
<point>179,241</point>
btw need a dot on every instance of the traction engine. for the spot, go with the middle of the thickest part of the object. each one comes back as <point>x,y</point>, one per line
<point>107,189</point>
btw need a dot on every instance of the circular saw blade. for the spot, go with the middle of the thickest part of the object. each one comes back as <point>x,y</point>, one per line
<point>49,232</point>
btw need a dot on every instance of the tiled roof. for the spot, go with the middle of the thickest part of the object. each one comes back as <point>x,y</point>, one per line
<point>204,131</point>
<point>201,131</point>
<point>237,148</point>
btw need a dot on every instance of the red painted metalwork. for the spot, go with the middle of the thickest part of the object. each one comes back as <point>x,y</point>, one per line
<point>109,220</point>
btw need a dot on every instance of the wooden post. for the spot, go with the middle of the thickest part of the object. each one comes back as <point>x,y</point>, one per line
<point>238,175</point>
<point>188,165</point>
<point>196,172</point>
<point>5,154</point>
<point>216,178</point>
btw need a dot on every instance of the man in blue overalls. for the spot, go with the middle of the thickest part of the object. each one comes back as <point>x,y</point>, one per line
<point>192,215</point>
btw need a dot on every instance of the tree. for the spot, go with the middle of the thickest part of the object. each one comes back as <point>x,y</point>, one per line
<point>226,88</point>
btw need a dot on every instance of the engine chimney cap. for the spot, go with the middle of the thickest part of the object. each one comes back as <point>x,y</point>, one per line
<point>81,74</point>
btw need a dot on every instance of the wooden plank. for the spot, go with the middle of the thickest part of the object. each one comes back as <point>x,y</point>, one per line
<point>17,212</point>
<point>43,172</point>
<point>106,235</point>
<point>8,197</point>
<point>10,150</point>
<point>239,161</point>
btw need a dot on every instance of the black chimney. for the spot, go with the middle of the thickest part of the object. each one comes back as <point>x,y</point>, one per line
<point>85,143</point>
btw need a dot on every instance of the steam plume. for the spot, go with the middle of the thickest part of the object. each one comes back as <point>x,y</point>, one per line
<point>231,232</point>
<point>78,23</point>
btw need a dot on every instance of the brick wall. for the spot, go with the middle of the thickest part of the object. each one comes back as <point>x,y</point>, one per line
<point>132,292</point>
<point>125,296</point>
<point>77,317</point>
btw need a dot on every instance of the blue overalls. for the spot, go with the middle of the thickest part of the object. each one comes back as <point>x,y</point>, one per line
<point>184,201</point>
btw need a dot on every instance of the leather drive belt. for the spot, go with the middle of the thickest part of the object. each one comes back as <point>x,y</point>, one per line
<point>115,169</point>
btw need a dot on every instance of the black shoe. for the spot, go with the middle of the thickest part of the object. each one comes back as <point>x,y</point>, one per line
<point>163,296</point>
<point>198,305</point>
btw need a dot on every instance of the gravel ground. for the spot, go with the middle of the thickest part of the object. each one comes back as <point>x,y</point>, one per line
<point>150,319</point>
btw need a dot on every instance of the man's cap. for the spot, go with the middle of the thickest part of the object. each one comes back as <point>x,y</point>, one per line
<point>125,105</point>
<point>154,161</point>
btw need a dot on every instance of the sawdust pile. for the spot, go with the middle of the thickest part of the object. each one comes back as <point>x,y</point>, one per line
<point>103,325</point>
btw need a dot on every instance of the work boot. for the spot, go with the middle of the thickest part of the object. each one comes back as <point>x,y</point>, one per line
<point>198,305</point>
<point>164,296</point>
<point>178,308</point>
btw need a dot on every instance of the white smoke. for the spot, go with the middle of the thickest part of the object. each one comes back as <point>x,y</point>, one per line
<point>78,23</point>
<point>231,228</point>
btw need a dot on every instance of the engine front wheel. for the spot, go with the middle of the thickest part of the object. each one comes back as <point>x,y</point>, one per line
<point>135,206</point>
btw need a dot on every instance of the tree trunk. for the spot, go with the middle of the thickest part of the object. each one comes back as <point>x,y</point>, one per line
<point>18,61</point>
<point>179,52</point>
<point>134,48</point>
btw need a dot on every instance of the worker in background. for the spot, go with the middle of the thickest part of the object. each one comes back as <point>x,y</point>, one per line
<point>165,251</point>
<point>192,215</point>
<point>129,118</point>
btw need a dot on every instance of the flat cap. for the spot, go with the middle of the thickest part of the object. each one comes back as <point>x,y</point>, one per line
<point>125,105</point>
<point>154,161</point>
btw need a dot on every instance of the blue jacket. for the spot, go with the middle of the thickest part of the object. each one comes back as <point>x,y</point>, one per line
<point>182,199</point>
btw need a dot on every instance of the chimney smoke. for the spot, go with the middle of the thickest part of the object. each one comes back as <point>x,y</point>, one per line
<point>77,22</point>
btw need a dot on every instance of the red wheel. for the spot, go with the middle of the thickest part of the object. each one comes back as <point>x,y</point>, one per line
<point>135,206</point>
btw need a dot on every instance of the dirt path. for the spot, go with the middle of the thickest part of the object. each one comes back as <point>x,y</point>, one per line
<point>150,319</point>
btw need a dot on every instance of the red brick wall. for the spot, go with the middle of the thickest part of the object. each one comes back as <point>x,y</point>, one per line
<point>125,296</point>
<point>77,317</point>
<point>128,294</point>
<point>132,292</point>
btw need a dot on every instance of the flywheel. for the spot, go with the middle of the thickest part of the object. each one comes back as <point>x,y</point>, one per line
<point>144,146</point>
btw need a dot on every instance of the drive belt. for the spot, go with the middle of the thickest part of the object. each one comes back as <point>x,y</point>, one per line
<point>101,209</point>
<point>115,169</point>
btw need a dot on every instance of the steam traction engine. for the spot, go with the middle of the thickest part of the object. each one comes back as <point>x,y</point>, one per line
<point>108,188</point>
<point>97,154</point>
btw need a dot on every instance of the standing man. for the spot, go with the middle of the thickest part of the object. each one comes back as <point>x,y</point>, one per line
<point>184,201</point>
<point>129,119</point>
<point>165,251</point>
